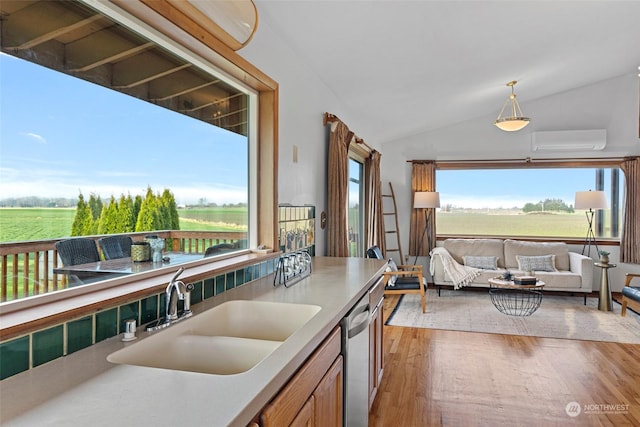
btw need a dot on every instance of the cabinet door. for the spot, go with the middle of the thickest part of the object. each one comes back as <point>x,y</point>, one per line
<point>305,417</point>
<point>285,406</point>
<point>328,397</point>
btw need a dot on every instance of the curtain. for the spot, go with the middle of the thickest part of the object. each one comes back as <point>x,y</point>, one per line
<point>338,182</point>
<point>423,178</point>
<point>374,220</point>
<point>630,242</point>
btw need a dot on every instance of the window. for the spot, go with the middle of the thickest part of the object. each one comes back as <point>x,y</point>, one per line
<point>531,202</point>
<point>356,208</point>
<point>94,106</point>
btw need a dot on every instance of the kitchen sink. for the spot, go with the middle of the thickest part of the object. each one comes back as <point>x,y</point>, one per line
<point>228,339</point>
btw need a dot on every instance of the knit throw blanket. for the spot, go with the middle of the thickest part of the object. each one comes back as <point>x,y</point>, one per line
<point>460,275</point>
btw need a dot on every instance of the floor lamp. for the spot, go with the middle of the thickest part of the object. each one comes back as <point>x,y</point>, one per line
<point>425,200</point>
<point>590,200</point>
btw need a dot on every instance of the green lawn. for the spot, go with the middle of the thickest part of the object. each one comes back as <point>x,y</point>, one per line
<point>506,224</point>
<point>22,224</point>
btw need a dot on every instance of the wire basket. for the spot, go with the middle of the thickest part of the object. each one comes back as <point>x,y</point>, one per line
<point>516,302</point>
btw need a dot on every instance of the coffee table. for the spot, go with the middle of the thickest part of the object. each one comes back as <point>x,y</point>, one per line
<point>515,300</point>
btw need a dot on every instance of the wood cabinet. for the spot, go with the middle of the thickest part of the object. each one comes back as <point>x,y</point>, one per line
<point>314,396</point>
<point>376,350</point>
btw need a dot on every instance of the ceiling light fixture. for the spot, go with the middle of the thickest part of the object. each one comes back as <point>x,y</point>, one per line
<point>516,121</point>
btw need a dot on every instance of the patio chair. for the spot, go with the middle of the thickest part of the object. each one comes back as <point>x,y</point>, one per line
<point>219,248</point>
<point>630,295</point>
<point>78,251</point>
<point>401,279</point>
<point>114,247</point>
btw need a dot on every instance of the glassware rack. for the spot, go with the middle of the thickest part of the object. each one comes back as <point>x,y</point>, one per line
<point>292,267</point>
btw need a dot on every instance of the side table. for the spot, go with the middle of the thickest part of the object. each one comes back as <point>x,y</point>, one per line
<point>604,299</point>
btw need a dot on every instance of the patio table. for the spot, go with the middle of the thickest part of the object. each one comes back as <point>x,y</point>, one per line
<point>126,265</point>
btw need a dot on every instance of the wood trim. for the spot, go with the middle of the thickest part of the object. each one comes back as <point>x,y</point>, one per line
<point>527,163</point>
<point>268,147</point>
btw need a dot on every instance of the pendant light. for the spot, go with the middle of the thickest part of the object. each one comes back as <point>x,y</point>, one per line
<point>516,121</point>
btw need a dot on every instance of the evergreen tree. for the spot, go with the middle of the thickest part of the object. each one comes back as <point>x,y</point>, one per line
<point>170,211</point>
<point>108,223</point>
<point>126,221</point>
<point>137,203</point>
<point>148,218</point>
<point>82,217</point>
<point>95,203</point>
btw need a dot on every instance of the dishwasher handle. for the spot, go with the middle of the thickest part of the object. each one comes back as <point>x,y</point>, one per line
<point>360,321</point>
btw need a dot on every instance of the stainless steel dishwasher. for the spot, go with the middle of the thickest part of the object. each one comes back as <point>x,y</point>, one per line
<point>355,350</point>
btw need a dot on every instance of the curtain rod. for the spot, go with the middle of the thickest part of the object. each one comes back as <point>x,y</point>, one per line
<point>331,118</point>
<point>525,160</point>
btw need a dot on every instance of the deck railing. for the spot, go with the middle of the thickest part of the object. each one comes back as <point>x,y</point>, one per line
<point>27,267</point>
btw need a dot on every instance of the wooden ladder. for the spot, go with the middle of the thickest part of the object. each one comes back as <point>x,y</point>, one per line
<point>391,210</point>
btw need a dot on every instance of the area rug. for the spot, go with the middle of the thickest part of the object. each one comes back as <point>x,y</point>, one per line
<point>558,317</point>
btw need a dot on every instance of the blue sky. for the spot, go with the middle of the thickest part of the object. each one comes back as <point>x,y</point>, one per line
<point>506,188</point>
<point>60,136</point>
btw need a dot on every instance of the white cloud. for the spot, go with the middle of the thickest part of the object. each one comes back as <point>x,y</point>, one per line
<point>36,137</point>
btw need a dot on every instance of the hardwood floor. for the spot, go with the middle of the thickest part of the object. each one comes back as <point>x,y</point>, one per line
<point>450,378</point>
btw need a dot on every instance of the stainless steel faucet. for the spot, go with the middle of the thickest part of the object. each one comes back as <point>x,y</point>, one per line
<point>176,290</point>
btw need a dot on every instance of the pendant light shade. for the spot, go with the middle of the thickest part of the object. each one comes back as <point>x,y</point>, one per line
<point>516,120</point>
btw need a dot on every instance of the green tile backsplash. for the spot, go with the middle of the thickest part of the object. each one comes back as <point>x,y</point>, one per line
<point>106,324</point>
<point>14,357</point>
<point>220,284</point>
<point>48,344</point>
<point>148,309</point>
<point>79,334</point>
<point>209,287</point>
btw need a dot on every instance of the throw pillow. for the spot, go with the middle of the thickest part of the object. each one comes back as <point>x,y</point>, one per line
<point>391,266</point>
<point>536,263</point>
<point>483,262</point>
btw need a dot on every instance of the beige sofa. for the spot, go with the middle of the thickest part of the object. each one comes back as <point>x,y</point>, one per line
<point>573,271</point>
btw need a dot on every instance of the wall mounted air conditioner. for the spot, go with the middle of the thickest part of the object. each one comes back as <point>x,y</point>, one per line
<point>569,140</point>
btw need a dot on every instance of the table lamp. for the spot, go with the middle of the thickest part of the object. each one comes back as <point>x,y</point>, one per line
<point>426,200</point>
<point>590,200</point>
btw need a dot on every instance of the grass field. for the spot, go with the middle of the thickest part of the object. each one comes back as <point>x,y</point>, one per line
<point>22,224</point>
<point>510,224</point>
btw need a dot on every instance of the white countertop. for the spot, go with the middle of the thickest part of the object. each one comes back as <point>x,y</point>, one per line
<point>83,388</point>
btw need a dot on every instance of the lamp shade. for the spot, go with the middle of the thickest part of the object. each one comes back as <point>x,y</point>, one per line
<point>426,199</point>
<point>512,124</point>
<point>590,200</point>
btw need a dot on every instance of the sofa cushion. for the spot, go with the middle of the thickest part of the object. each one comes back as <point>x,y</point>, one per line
<point>537,263</point>
<point>475,247</point>
<point>483,262</point>
<point>558,280</point>
<point>518,247</point>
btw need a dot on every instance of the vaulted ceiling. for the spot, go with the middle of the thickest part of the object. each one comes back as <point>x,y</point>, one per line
<point>408,67</point>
